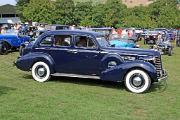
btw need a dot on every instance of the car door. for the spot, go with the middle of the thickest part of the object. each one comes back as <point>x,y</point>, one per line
<point>58,46</point>
<point>63,54</point>
<point>87,57</point>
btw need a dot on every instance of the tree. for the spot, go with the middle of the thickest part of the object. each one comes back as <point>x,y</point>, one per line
<point>114,13</point>
<point>139,17</point>
<point>40,11</point>
<point>82,12</point>
<point>164,13</point>
<point>64,12</point>
<point>21,4</point>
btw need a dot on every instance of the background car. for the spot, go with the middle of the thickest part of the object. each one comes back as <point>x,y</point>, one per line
<point>178,38</point>
<point>165,47</point>
<point>106,31</point>
<point>11,40</point>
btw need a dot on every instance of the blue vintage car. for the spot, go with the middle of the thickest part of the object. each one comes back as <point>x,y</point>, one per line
<point>88,55</point>
<point>11,40</point>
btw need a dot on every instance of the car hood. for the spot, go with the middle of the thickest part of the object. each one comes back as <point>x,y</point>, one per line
<point>132,51</point>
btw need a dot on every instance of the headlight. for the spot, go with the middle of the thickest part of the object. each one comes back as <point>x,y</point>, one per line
<point>150,59</point>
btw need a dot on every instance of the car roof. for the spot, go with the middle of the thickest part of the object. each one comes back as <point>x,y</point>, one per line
<point>103,28</point>
<point>96,34</point>
<point>59,25</point>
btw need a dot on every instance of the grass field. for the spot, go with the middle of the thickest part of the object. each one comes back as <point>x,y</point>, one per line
<point>21,98</point>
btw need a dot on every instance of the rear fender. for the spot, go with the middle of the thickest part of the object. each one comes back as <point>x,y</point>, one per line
<point>118,73</point>
<point>27,61</point>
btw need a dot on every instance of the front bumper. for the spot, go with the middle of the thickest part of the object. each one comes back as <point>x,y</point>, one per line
<point>163,76</point>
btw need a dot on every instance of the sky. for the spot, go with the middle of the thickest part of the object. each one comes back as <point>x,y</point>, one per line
<point>3,2</point>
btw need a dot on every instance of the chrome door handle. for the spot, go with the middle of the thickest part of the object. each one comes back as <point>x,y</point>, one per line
<point>73,51</point>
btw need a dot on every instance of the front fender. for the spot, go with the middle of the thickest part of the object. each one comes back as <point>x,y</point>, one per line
<point>110,57</point>
<point>118,73</point>
<point>26,62</point>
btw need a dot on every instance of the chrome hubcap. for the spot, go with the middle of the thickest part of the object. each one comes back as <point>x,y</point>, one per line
<point>41,71</point>
<point>137,81</point>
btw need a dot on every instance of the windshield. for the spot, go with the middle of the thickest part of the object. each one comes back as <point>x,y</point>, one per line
<point>103,42</point>
<point>11,32</point>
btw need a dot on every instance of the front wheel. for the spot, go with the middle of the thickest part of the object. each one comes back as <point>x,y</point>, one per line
<point>137,81</point>
<point>41,72</point>
<point>3,48</point>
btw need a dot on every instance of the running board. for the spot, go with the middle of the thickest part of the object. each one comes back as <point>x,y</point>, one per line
<point>76,75</point>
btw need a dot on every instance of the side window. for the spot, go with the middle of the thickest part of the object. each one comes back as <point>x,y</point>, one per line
<point>47,41</point>
<point>84,41</point>
<point>62,40</point>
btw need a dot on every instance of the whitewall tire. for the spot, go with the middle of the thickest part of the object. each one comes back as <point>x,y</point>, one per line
<point>41,72</point>
<point>137,81</point>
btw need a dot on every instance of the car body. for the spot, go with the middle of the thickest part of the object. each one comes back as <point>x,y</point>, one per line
<point>57,27</point>
<point>161,29</point>
<point>171,35</point>
<point>164,47</point>
<point>106,31</point>
<point>33,38</point>
<point>178,37</point>
<point>86,54</point>
<point>150,37</point>
<point>11,40</point>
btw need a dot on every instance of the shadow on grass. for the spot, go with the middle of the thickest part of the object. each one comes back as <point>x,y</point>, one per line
<point>89,82</point>
<point>156,87</point>
<point>5,90</point>
<point>159,87</point>
<point>82,81</point>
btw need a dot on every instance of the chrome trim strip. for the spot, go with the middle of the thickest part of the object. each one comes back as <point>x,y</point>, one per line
<point>75,75</point>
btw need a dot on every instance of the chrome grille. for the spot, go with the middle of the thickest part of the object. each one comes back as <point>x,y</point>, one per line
<point>158,65</point>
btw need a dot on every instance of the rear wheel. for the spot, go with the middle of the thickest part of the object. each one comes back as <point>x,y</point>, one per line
<point>137,81</point>
<point>41,72</point>
<point>3,48</point>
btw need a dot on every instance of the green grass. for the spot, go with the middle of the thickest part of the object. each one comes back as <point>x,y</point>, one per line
<point>21,98</point>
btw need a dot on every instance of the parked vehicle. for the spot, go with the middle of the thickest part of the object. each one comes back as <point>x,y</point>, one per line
<point>164,47</point>
<point>33,38</point>
<point>170,35</point>
<point>106,31</point>
<point>178,38</point>
<point>57,27</point>
<point>161,29</point>
<point>150,37</point>
<point>88,55</point>
<point>11,41</point>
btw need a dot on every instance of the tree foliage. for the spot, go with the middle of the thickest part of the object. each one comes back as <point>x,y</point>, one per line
<point>39,11</point>
<point>161,13</point>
